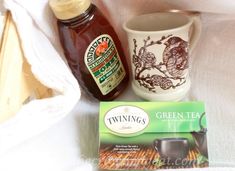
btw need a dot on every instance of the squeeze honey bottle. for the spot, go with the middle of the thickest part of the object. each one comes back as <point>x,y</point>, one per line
<point>92,48</point>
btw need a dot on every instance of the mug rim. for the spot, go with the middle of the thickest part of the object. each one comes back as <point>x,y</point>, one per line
<point>129,30</point>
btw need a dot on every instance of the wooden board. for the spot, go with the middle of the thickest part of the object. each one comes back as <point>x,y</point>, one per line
<point>17,83</point>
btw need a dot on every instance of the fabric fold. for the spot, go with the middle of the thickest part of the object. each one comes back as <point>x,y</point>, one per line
<point>48,67</point>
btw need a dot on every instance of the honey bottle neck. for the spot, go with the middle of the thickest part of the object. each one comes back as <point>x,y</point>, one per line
<point>69,9</point>
<point>82,18</point>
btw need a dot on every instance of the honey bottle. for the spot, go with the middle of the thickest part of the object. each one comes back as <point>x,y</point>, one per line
<point>92,48</point>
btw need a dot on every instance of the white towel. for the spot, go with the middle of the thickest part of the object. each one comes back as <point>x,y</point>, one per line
<point>41,49</point>
<point>212,70</point>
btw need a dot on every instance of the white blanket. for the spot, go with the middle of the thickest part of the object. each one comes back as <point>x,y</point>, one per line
<point>39,42</point>
<point>212,69</point>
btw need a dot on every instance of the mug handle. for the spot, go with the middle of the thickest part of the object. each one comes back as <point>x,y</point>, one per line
<point>196,29</point>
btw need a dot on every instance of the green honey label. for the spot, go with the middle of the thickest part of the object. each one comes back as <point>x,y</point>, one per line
<point>104,63</point>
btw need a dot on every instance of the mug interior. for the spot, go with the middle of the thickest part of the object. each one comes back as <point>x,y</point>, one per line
<point>157,22</point>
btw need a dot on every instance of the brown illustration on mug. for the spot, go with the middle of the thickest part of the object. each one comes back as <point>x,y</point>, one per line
<point>171,69</point>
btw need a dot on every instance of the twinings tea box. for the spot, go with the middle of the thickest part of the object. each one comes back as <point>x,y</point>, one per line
<point>152,135</point>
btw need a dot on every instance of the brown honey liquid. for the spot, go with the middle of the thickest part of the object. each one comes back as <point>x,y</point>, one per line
<point>76,35</point>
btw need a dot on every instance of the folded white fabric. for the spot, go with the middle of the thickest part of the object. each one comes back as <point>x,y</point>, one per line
<point>42,52</point>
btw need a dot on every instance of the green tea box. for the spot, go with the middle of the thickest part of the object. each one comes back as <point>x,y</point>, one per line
<point>152,135</point>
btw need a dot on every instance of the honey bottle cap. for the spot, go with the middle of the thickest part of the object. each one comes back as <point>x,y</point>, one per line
<point>68,9</point>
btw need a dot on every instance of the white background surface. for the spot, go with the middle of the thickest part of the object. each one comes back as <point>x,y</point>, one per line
<point>61,147</point>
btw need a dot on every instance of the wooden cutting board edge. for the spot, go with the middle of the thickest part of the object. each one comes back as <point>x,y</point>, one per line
<point>17,83</point>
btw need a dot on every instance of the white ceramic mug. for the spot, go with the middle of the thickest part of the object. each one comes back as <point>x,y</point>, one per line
<point>160,45</point>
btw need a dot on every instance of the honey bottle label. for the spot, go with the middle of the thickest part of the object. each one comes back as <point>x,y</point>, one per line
<point>104,63</point>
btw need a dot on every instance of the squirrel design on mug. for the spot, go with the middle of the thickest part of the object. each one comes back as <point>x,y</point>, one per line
<point>175,56</point>
<point>171,69</point>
